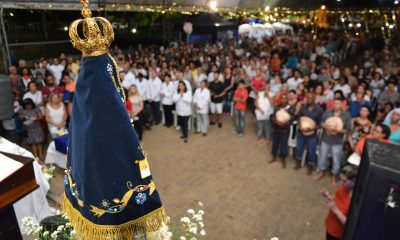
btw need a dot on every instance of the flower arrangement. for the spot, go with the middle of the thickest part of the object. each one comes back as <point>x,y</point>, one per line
<point>191,227</point>
<point>48,172</point>
<point>64,231</point>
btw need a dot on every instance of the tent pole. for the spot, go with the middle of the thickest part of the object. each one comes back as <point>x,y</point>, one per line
<point>3,37</point>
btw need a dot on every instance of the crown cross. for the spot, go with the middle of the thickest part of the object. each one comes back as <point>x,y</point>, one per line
<point>92,36</point>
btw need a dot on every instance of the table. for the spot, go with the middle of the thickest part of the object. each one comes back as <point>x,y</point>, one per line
<point>35,204</point>
<point>55,157</point>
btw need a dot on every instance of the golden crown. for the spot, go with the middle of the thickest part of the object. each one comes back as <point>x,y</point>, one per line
<point>92,36</point>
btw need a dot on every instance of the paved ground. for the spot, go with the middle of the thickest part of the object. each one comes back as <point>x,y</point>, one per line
<point>244,197</point>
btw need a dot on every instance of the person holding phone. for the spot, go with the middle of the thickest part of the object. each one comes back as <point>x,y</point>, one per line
<point>339,204</point>
<point>31,115</point>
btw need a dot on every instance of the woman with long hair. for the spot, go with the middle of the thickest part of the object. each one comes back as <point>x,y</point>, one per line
<point>136,102</point>
<point>183,101</point>
<point>55,115</point>
<point>31,115</point>
<point>229,82</point>
<point>361,127</point>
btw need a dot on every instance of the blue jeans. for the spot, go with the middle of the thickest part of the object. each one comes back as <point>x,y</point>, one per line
<point>228,102</point>
<point>306,142</point>
<point>337,155</point>
<point>240,114</point>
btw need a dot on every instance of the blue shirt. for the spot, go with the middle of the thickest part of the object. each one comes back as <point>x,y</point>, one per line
<point>355,107</point>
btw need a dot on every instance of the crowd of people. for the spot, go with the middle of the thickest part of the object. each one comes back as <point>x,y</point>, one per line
<point>298,91</point>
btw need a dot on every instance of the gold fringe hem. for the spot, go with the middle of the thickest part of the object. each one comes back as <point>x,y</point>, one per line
<point>87,230</point>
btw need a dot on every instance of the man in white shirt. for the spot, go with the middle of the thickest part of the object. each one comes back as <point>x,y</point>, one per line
<point>202,98</point>
<point>294,81</point>
<point>56,68</point>
<point>179,77</point>
<point>154,97</point>
<point>129,77</point>
<point>343,86</point>
<point>142,86</point>
<point>168,89</point>
<point>140,69</point>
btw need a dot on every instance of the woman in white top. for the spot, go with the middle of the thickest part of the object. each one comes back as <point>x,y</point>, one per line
<point>168,89</point>
<point>135,110</point>
<point>56,115</point>
<point>36,95</point>
<point>377,84</point>
<point>201,102</point>
<point>327,91</point>
<point>264,109</point>
<point>183,101</point>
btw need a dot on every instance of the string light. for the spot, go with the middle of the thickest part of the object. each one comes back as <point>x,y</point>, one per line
<point>213,5</point>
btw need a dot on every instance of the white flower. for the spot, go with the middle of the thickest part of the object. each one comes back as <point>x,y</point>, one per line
<point>201,212</point>
<point>185,220</point>
<point>27,221</point>
<point>202,232</point>
<point>193,230</point>
<point>164,233</point>
<point>68,224</point>
<point>193,238</point>
<point>38,229</point>
<point>182,238</point>
<point>73,233</point>
<point>60,228</point>
<point>274,238</point>
<point>54,235</point>
<point>201,224</point>
<point>201,204</point>
<point>190,211</point>
<point>198,217</point>
<point>46,233</point>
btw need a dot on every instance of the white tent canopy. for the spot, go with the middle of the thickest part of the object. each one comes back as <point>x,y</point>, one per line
<point>259,31</point>
<point>278,26</point>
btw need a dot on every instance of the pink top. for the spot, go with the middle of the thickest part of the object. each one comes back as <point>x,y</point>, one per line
<point>257,84</point>
<point>46,91</point>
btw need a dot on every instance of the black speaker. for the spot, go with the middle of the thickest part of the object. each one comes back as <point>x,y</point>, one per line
<point>375,206</point>
<point>6,98</point>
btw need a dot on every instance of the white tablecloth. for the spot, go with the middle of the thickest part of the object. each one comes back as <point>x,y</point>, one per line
<point>34,204</point>
<point>55,157</point>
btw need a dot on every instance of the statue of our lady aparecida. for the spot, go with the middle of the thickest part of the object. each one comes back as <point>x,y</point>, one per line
<point>109,191</point>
